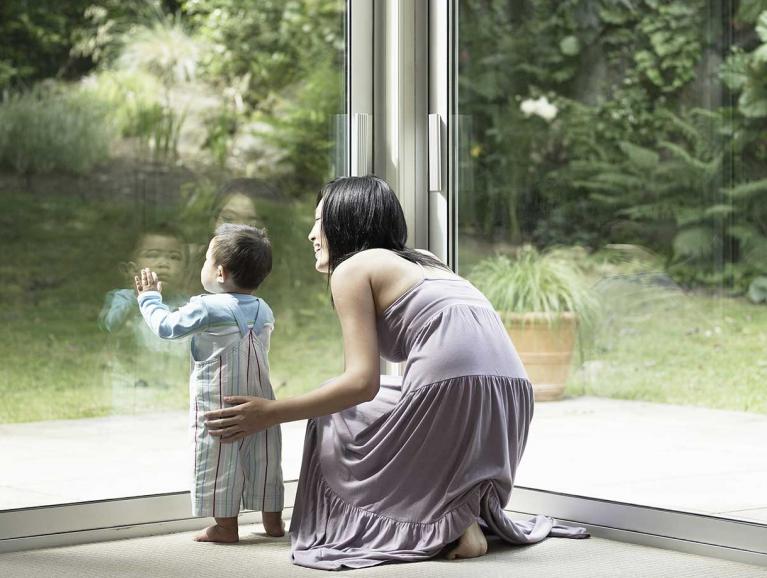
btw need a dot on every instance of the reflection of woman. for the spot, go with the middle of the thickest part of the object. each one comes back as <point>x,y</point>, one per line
<point>397,472</point>
<point>236,202</point>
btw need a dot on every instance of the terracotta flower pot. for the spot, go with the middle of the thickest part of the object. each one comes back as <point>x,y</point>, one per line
<point>546,348</point>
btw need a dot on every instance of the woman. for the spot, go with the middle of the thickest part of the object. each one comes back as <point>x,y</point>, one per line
<point>397,472</point>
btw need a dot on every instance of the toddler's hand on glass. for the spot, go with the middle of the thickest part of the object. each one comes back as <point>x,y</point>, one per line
<point>147,281</point>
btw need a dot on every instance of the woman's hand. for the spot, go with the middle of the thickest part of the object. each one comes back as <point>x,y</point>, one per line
<point>247,416</point>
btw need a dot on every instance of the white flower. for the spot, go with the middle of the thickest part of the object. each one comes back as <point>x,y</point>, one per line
<point>540,107</point>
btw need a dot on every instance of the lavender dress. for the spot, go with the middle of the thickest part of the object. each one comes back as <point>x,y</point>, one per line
<point>398,478</point>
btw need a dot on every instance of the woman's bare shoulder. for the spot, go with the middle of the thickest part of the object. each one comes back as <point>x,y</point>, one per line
<point>362,264</point>
<point>379,266</point>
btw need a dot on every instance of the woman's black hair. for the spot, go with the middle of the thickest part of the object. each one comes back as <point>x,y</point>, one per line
<point>361,213</point>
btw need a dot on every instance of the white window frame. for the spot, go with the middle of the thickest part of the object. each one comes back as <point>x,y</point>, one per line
<point>398,74</point>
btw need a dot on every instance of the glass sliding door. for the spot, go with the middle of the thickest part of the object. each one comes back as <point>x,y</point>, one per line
<point>608,187</point>
<point>127,134</point>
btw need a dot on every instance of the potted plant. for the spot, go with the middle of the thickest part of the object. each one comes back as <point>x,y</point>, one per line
<point>541,298</point>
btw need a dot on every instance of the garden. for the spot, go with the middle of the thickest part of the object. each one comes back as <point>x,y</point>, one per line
<point>124,128</point>
<point>610,164</point>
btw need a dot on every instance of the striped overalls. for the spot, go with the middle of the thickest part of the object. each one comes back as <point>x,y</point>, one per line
<point>248,471</point>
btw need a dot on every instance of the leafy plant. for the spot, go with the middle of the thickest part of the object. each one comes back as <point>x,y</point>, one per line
<point>221,129</point>
<point>531,281</point>
<point>745,72</point>
<point>300,126</point>
<point>165,51</point>
<point>264,51</point>
<point>674,43</point>
<point>36,39</point>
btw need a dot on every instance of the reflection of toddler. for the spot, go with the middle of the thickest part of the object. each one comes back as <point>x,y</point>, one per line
<point>162,250</point>
<point>231,330</point>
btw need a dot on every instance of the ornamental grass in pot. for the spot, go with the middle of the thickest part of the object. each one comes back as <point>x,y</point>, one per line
<point>541,297</point>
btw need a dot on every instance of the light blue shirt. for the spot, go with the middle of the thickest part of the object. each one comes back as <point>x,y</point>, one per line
<point>215,321</point>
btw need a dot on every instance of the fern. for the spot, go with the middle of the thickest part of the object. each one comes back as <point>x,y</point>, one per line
<point>641,157</point>
<point>649,212</point>
<point>620,180</point>
<point>748,190</point>
<point>693,164</point>
<point>719,211</point>
<point>687,129</point>
<point>687,216</point>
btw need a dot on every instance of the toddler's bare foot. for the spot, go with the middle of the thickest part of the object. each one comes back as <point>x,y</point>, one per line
<point>471,545</point>
<point>273,524</point>
<point>222,532</point>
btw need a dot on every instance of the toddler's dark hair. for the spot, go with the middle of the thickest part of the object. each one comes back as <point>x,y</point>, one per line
<point>245,252</point>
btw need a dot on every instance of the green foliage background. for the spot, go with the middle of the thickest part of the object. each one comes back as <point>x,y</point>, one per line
<point>658,141</point>
<point>100,139</point>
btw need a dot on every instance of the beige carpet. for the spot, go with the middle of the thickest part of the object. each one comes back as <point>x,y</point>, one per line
<point>175,555</point>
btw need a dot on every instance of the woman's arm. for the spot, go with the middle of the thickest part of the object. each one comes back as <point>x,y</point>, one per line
<point>353,298</point>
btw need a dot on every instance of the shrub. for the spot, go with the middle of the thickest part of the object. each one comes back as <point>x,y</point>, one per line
<point>53,128</point>
<point>131,96</point>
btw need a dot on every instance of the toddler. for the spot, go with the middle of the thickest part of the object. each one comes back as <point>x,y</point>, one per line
<point>230,331</point>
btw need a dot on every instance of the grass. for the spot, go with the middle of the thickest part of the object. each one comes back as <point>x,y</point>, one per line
<point>60,258</point>
<point>654,342</point>
<point>665,345</point>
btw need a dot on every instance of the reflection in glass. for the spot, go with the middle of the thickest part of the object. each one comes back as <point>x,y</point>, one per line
<point>143,127</point>
<point>138,366</point>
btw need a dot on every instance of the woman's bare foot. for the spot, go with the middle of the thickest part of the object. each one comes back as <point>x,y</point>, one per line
<point>472,544</point>
<point>224,531</point>
<point>273,524</point>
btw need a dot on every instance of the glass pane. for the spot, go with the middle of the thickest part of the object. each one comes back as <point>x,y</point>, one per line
<point>128,131</point>
<point>611,185</point>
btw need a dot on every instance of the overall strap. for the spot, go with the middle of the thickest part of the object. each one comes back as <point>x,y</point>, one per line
<point>239,316</point>
<point>258,310</point>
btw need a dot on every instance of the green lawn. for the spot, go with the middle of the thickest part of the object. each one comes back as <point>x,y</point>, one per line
<point>669,346</point>
<point>60,258</point>
<point>58,370</point>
